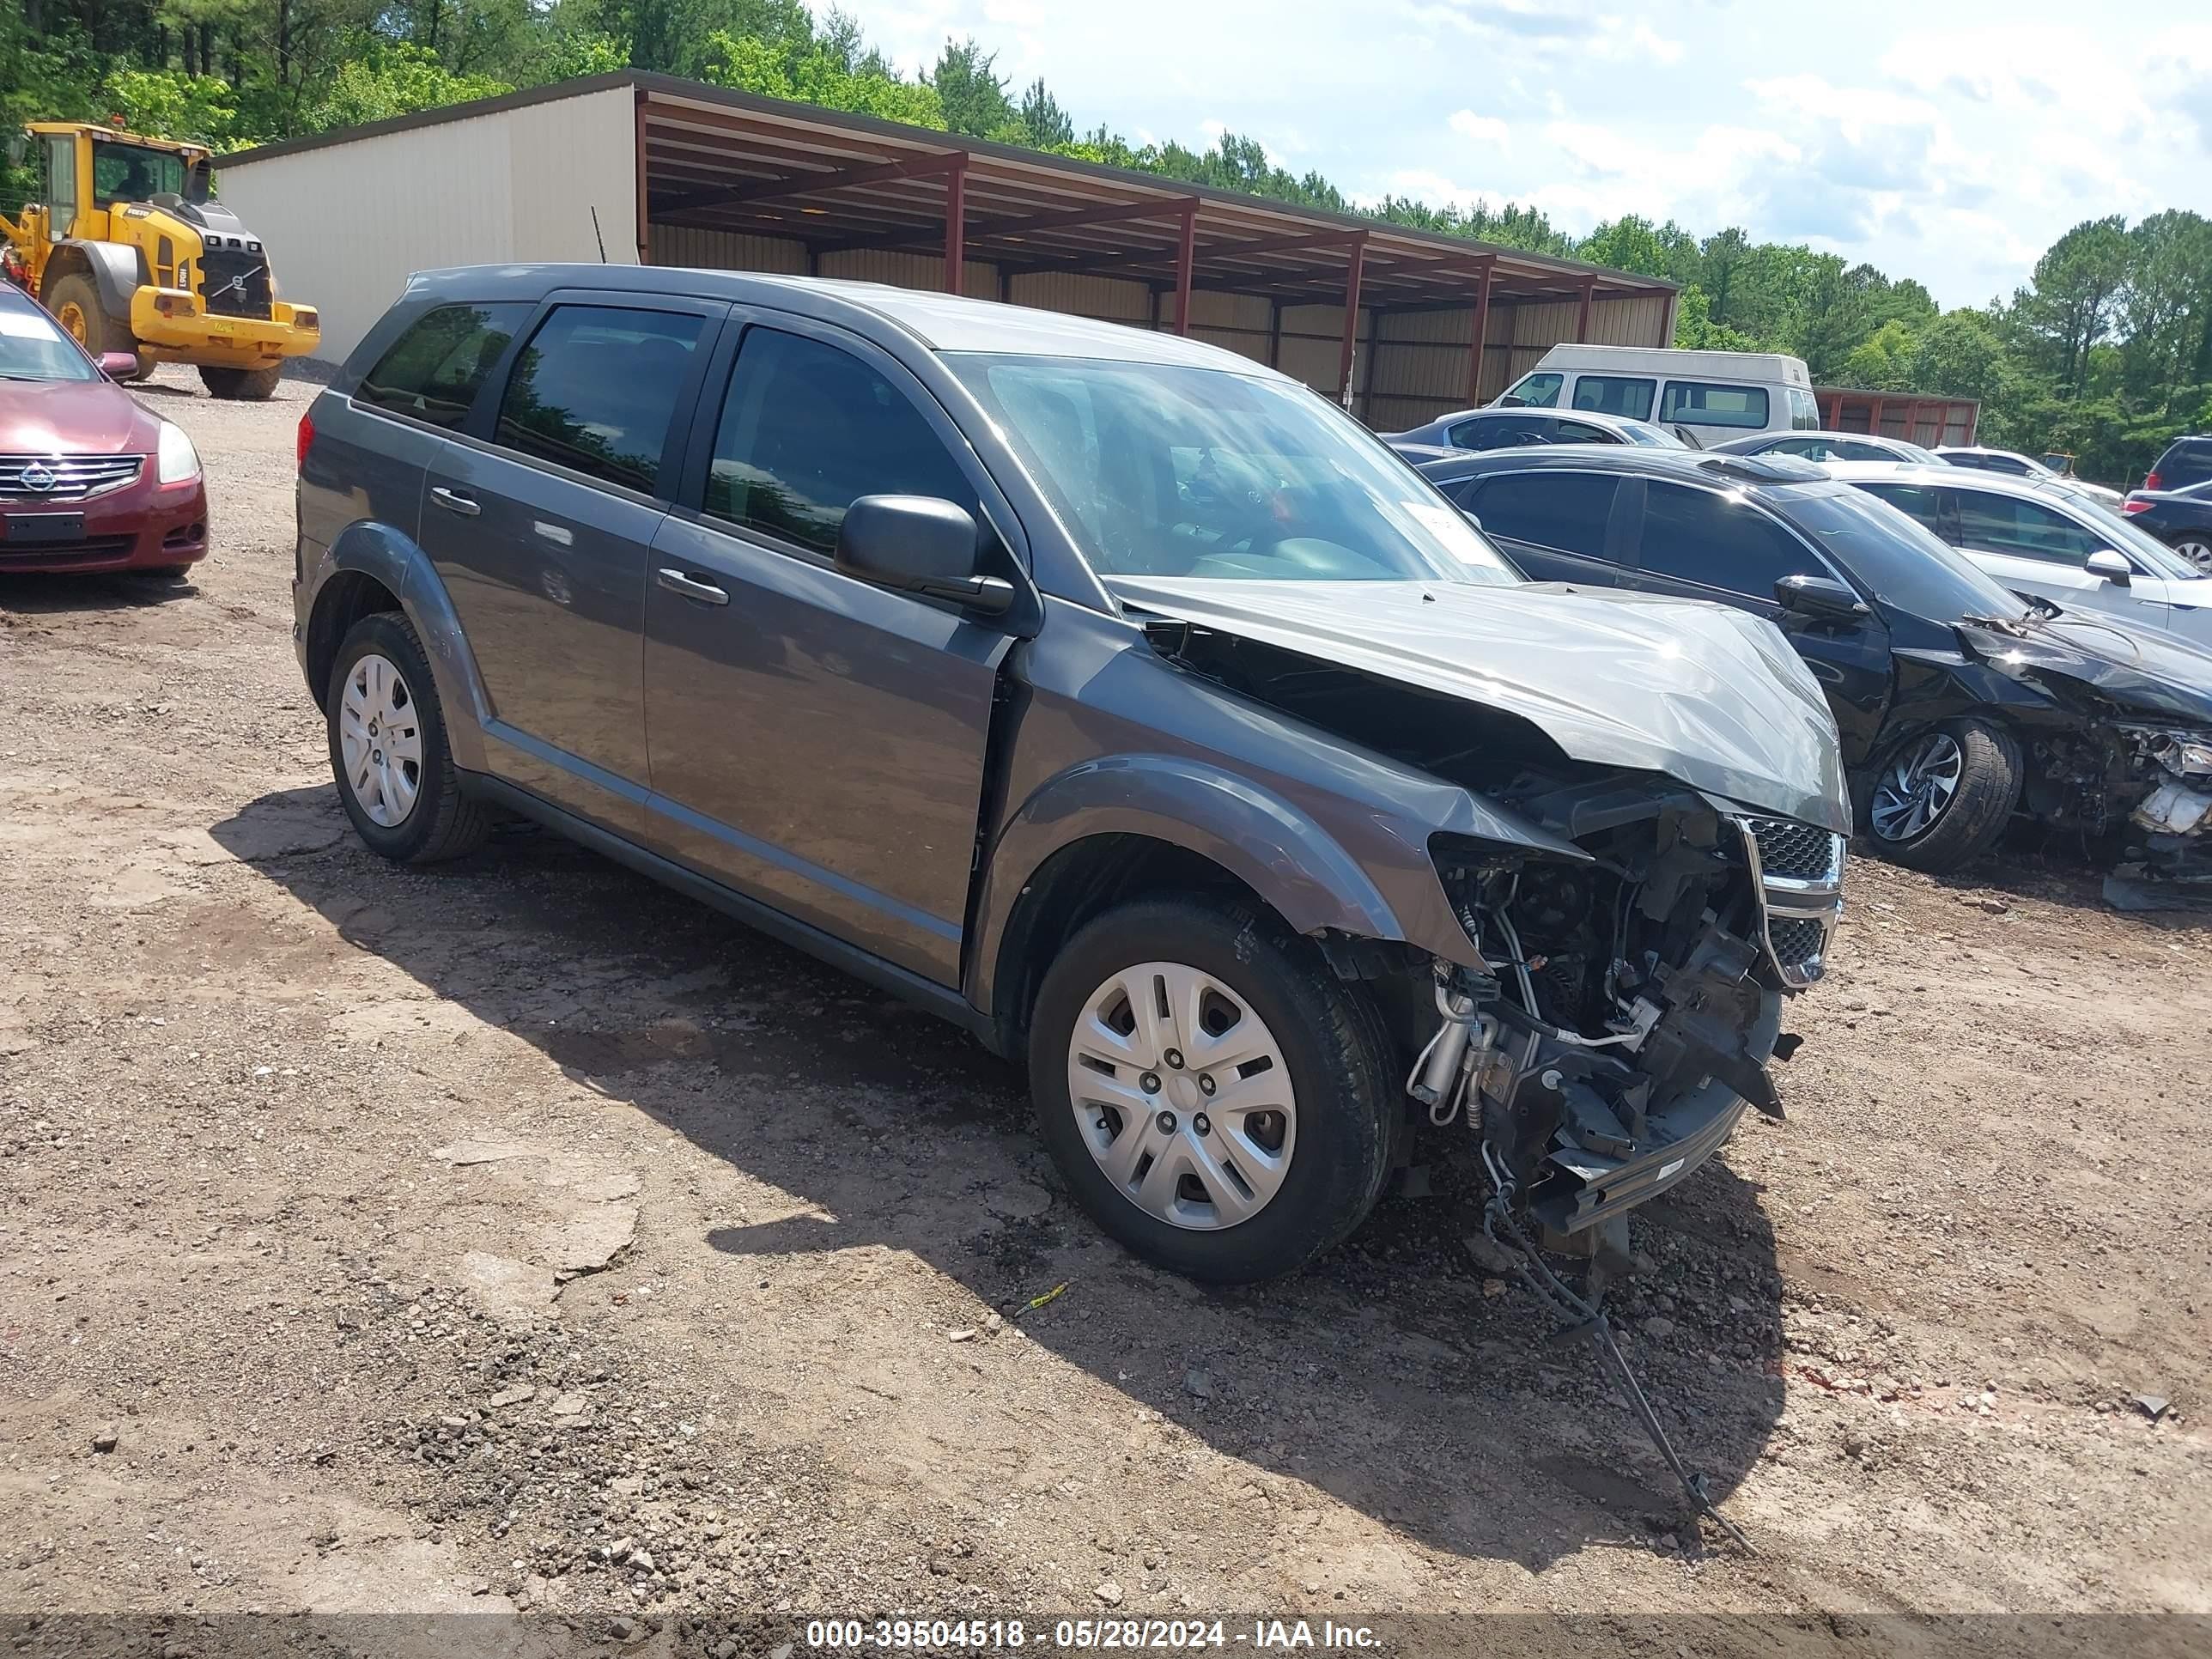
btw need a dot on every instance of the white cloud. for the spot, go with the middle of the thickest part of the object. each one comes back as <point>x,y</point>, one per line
<point>1623,41</point>
<point>1486,130</point>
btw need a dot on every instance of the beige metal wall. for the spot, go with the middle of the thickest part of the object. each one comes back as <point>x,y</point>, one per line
<point>346,224</point>
<point>1407,366</point>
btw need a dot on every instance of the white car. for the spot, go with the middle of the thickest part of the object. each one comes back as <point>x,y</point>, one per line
<point>2011,464</point>
<point>2050,538</point>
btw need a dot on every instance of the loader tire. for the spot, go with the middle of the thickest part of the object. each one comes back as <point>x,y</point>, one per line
<point>248,385</point>
<point>75,302</point>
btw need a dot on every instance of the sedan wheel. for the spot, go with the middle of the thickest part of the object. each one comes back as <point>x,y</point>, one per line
<point>2198,551</point>
<point>1182,1095</point>
<point>380,741</point>
<point>1916,788</point>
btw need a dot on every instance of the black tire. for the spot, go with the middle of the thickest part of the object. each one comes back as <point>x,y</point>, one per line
<point>1332,1039</point>
<point>442,822</point>
<point>101,332</point>
<point>1978,809</point>
<point>249,384</point>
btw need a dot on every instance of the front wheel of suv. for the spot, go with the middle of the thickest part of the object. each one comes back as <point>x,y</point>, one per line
<point>1220,1101</point>
<point>387,735</point>
<point>1942,797</point>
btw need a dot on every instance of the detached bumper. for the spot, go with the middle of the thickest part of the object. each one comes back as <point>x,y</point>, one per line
<point>171,324</point>
<point>1580,1187</point>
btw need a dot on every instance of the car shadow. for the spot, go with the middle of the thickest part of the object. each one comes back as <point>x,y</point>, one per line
<point>1394,1374</point>
<point>33,593</point>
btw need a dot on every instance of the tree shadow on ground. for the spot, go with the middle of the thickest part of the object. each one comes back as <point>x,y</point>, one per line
<point>1389,1376</point>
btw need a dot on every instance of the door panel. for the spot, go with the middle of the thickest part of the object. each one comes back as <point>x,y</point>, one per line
<point>818,742</point>
<point>542,538</point>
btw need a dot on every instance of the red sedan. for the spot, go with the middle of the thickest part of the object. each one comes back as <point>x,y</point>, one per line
<point>90,478</point>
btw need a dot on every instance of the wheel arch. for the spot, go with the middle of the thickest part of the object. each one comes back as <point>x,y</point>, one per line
<point>373,568</point>
<point>1108,829</point>
<point>116,272</point>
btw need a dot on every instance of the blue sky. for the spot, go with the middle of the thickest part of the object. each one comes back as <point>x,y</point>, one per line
<point>1951,141</point>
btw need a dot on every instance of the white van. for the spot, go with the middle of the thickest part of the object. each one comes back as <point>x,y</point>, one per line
<point>1715,394</point>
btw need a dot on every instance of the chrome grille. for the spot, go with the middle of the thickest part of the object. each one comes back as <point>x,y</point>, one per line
<point>1797,852</point>
<point>65,477</point>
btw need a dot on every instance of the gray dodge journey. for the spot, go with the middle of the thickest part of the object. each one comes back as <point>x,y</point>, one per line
<point>1113,695</point>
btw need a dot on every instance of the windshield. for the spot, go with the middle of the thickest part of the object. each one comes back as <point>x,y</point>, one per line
<point>2154,555</point>
<point>1898,560</point>
<point>34,347</point>
<point>1159,471</point>
<point>134,172</point>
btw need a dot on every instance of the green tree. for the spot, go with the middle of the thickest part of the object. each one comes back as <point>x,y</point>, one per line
<point>974,97</point>
<point>1044,123</point>
<point>2069,305</point>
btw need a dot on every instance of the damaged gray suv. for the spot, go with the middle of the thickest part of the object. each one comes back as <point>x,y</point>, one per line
<point>1114,696</point>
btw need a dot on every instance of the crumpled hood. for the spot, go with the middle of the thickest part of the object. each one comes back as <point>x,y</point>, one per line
<point>2142,674</point>
<point>1711,696</point>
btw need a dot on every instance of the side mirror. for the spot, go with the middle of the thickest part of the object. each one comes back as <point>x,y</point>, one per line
<point>1821,598</point>
<point>2112,567</point>
<point>118,365</point>
<point>919,545</point>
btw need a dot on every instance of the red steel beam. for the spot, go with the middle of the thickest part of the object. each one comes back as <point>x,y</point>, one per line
<point>955,230</point>
<point>1583,312</point>
<point>1357,258</point>
<point>644,210</point>
<point>1186,253</point>
<point>1481,336</point>
<point>813,184</point>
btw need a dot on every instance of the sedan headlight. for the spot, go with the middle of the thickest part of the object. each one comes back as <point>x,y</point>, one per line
<point>177,460</point>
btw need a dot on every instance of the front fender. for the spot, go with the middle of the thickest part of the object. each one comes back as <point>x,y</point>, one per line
<point>1303,872</point>
<point>116,271</point>
<point>370,548</point>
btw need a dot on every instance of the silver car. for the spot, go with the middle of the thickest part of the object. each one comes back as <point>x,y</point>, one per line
<point>2049,537</point>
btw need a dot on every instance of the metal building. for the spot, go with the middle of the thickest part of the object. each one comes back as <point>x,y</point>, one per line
<point>1400,325</point>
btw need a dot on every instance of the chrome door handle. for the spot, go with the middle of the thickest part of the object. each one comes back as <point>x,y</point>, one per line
<point>677,582</point>
<point>453,501</point>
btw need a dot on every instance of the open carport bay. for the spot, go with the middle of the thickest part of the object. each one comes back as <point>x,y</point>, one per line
<point>516,1232</point>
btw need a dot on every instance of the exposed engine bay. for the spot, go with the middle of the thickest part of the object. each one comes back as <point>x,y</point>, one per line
<point>1626,1001</point>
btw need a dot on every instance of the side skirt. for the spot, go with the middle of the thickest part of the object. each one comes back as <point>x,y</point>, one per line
<point>941,1000</point>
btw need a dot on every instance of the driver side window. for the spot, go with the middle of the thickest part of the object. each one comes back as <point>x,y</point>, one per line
<point>2022,530</point>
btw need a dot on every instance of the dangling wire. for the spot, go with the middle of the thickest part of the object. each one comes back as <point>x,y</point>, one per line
<point>1586,1319</point>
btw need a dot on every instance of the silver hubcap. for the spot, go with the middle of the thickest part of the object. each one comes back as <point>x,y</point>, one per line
<point>2197,553</point>
<point>1916,788</point>
<point>1181,1093</point>
<point>380,741</point>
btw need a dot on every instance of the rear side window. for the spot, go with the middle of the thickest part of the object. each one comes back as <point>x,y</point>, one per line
<point>806,430</point>
<point>595,390</point>
<point>1999,524</point>
<point>2187,461</point>
<point>1507,433</point>
<point>1566,510</point>
<point>1574,432</point>
<point>434,371</point>
<point>1804,413</point>
<point>1702,404</point>
<point>1703,536</point>
<point>1615,394</point>
<point>1923,504</point>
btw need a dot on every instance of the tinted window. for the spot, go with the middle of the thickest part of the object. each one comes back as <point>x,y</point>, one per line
<point>1535,391</point>
<point>1922,503</point>
<point>2186,461</point>
<point>1999,524</point>
<point>1704,536</point>
<point>1613,394</point>
<point>1161,471</point>
<point>1574,432</point>
<point>1811,449</point>
<point>1845,450</point>
<point>596,388</point>
<point>1507,432</point>
<point>807,430</point>
<point>1714,405</point>
<point>433,370</point>
<point>1566,510</point>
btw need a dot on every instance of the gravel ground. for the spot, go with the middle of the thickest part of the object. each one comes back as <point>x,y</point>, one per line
<point>517,1234</point>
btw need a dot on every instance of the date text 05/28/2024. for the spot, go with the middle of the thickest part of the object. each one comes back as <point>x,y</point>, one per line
<point>954,1635</point>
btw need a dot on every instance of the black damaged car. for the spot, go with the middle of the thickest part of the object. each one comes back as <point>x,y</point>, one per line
<point>1960,702</point>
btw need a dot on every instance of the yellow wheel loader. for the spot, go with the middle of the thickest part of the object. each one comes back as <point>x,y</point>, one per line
<point>130,253</point>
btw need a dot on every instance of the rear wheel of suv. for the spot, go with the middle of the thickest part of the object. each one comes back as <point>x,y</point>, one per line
<point>388,734</point>
<point>1221,1102</point>
<point>1942,797</point>
<point>252,384</point>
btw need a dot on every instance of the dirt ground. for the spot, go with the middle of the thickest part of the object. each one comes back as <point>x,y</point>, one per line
<point>517,1235</point>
